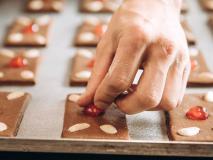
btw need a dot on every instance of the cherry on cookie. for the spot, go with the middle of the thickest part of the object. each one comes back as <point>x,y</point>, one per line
<point>93,111</point>
<point>99,30</point>
<point>91,63</point>
<point>32,28</point>
<point>17,62</point>
<point>197,113</point>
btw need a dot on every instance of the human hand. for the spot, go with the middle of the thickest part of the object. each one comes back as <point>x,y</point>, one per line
<point>143,34</point>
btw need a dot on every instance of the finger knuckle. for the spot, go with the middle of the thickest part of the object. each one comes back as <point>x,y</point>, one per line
<point>169,104</point>
<point>118,84</point>
<point>168,44</point>
<point>150,100</point>
<point>170,47</point>
<point>124,107</point>
<point>139,34</point>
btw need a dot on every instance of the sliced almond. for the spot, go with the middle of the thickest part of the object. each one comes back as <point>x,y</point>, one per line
<point>15,37</point>
<point>57,5</point>
<point>26,74</point>
<point>1,74</point>
<point>83,74</point>
<point>94,6</point>
<point>15,95</point>
<point>85,53</point>
<point>36,4</point>
<point>32,53</point>
<point>108,128</point>
<point>40,39</point>
<point>112,5</point>
<point>7,53</point>
<point>208,96</point>
<point>193,51</point>
<point>91,20</point>
<point>188,132</point>
<point>86,37</point>
<point>74,97</point>
<point>3,127</point>
<point>78,127</point>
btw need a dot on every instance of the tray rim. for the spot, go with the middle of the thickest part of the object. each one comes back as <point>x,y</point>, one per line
<point>115,147</point>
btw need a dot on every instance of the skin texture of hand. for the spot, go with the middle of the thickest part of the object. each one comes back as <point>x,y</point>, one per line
<point>141,34</point>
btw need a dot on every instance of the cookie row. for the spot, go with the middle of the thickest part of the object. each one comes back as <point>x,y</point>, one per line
<point>109,6</point>
<point>20,67</point>
<point>192,121</point>
<point>110,125</point>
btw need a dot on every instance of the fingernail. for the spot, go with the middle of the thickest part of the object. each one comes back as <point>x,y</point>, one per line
<point>80,100</point>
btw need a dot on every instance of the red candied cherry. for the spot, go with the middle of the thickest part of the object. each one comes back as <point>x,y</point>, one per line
<point>197,113</point>
<point>32,28</point>
<point>133,87</point>
<point>99,30</point>
<point>18,62</point>
<point>90,64</point>
<point>194,64</point>
<point>93,111</point>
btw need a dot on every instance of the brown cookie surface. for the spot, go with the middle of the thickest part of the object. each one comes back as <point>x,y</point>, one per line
<point>111,125</point>
<point>200,75</point>
<point>25,31</point>
<point>190,37</point>
<point>18,67</point>
<point>184,7</point>
<point>82,64</point>
<point>44,5</point>
<point>207,5</point>
<point>12,107</point>
<point>179,124</point>
<point>90,32</point>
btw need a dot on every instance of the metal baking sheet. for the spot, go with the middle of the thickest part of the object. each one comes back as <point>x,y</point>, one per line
<point>41,128</point>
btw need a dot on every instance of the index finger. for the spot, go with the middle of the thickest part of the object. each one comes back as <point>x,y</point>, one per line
<point>104,55</point>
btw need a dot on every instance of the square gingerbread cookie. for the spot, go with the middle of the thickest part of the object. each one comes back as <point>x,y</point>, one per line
<point>90,32</point>
<point>184,7</point>
<point>192,120</point>
<point>210,22</point>
<point>207,5</point>
<point>92,29</point>
<point>12,107</point>
<point>39,6</point>
<point>82,64</point>
<point>190,37</point>
<point>200,75</point>
<point>84,123</point>
<point>99,6</point>
<point>25,31</point>
<point>18,67</point>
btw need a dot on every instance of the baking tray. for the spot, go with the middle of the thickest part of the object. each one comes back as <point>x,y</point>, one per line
<point>41,127</point>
